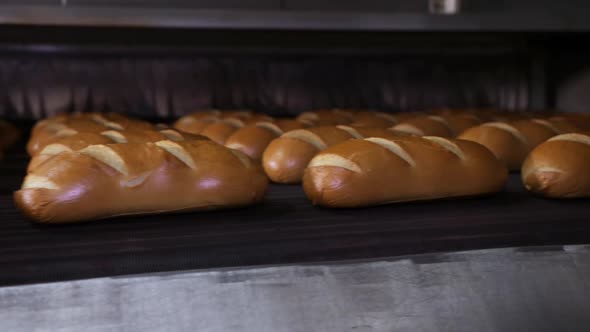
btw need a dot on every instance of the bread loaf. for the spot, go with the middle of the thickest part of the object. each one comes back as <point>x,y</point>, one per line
<point>559,167</point>
<point>219,131</point>
<point>373,119</point>
<point>326,117</point>
<point>78,141</point>
<point>428,125</point>
<point>286,157</point>
<point>459,122</point>
<point>253,139</point>
<point>373,171</point>
<point>195,123</point>
<point>104,181</point>
<point>511,142</point>
<point>49,129</point>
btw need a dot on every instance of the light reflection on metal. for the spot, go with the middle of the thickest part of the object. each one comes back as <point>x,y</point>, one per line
<point>447,7</point>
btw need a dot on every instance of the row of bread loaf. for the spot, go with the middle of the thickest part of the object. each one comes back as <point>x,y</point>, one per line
<point>66,150</point>
<point>91,166</point>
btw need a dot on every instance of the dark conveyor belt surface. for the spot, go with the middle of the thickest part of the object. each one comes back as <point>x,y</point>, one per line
<point>285,229</point>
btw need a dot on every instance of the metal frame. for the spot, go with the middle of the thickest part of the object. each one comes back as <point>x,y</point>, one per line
<point>533,20</point>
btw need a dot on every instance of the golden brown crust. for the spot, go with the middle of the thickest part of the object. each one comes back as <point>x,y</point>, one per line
<point>253,139</point>
<point>220,131</point>
<point>558,168</point>
<point>374,119</point>
<point>428,125</point>
<point>459,122</point>
<point>103,181</point>
<point>82,140</point>
<point>289,124</point>
<point>67,125</point>
<point>535,131</point>
<point>512,141</point>
<point>365,172</point>
<point>507,146</point>
<point>286,157</point>
<point>194,125</point>
<point>327,117</point>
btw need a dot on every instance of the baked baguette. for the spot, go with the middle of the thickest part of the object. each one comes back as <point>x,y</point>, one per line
<point>326,117</point>
<point>78,141</point>
<point>511,142</point>
<point>459,122</point>
<point>286,157</point>
<point>559,167</point>
<point>219,131</point>
<point>374,171</point>
<point>427,125</point>
<point>253,139</point>
<point>49,129</point>
<point>373,119</point>
<point>195,123</point>
<point>103,181</point>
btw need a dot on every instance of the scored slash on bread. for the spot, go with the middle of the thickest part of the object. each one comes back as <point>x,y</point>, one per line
<point>512,141</point>
<point>254,138</point>
<point>286,157</point>
<point>107,180</point>
<point>375,171</point>
<point>80,141</point>
<point>428,125</point>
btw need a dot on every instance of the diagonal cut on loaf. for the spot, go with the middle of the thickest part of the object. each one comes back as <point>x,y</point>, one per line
<point>376,171</point>
<point>353,132</point>
<point>394,148</point>
<point>572,137</point>
<point>108,180</point>
<point>508,128</point>
<point>306,136</point>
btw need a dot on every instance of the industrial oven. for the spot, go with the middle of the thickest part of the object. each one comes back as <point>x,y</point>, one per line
<point>159,60</point>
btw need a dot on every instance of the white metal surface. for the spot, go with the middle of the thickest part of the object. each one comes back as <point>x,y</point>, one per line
<point>543,289</point>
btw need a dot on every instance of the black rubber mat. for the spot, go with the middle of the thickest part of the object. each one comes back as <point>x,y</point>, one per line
<point>284,229</point>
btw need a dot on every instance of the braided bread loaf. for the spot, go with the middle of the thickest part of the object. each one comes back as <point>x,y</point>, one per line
<point>559,167</point>
<point>286,157</point>
<point>374,171</point>
<point>511,142</point>
<point>102,181</point>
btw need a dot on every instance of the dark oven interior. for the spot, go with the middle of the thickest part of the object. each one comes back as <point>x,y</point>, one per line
<point>163,73</point>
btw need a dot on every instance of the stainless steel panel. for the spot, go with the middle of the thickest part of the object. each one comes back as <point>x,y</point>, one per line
<point>538,19</point>
<point>527,289</point>
<point>171,4</point>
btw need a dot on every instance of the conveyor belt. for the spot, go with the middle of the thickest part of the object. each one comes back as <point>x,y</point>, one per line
<point>285,229</point>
